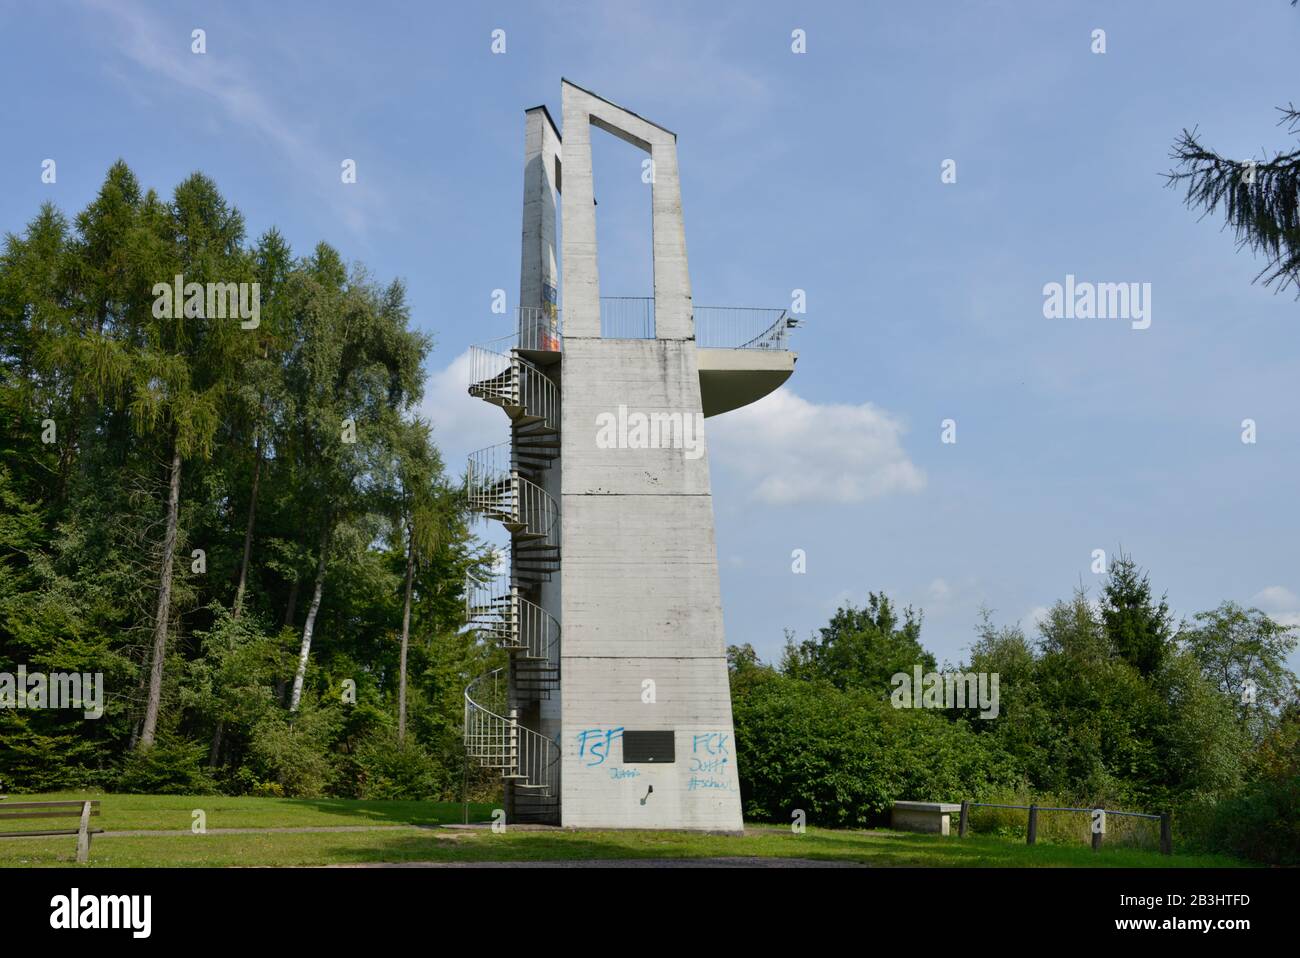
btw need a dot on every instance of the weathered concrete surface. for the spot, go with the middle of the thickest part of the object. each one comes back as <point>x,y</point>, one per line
<point>539,269</point>
<point>583,109</point>
<point>642,636</point>
<point>640,602</point>
<point>731,378</point>
<point>930,817</point>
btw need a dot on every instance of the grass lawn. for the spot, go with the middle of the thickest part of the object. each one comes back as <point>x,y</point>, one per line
<point>169,812</point>
<point>402,844</point>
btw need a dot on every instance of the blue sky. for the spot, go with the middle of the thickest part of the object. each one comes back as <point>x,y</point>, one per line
<point>820,172</point>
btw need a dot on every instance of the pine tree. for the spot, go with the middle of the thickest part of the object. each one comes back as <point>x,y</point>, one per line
<point>1139,629</point>
<point>1260,199</point>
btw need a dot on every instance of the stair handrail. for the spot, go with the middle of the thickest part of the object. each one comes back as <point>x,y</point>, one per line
<point>531,628</point>
<point>499,741</point>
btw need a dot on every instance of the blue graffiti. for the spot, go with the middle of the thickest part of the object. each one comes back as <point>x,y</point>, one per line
<point>708,765</point>
<point>715,743</point>
<point>621,773</point>
<point>697,782</point>
<point>600,741</point>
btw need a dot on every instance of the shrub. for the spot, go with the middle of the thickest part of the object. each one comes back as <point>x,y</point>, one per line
<point>172,766</point>
<point>845,757</point>
<point>389,769</point>
<point>293,754</point>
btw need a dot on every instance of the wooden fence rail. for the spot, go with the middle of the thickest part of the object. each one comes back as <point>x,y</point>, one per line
<point>1098,828</point>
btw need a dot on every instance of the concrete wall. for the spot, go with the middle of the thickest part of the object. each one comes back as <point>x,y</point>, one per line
<point>539,269</point>
<point>640,597</point>
<point>538,287</point>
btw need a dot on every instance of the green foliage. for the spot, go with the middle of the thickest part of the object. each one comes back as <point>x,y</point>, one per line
<point>390,769</point>
<point>1263,208</point>
<point>1244,652</point>
<point>1261,820</point>
<point>294,754</point>
<point>256,416</point>
<point>172,767</point>
<point>861,648</point>
<point>1106,709</point>
<point>1262,823</point>
<point>1137,627</point>
<point>845,756</point>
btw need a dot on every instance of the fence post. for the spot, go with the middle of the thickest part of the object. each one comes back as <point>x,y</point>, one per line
<point>1099,827</point>
<point>1166,835</point>
<point>965,815</point>
<point>1033,825</point>
<point>83,835</point>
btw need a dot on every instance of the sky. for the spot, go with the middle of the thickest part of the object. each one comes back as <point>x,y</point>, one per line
<point>818,171</point>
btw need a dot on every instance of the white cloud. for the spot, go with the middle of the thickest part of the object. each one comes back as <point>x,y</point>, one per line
<point>1033,619</point>
<point>461,423</point>
<point>1281,604</point>
<point>793,450</point>
<point>1276,597</point>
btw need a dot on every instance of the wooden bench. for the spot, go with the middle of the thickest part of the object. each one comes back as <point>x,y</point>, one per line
<point>932,817</point>
<point>55,810</point>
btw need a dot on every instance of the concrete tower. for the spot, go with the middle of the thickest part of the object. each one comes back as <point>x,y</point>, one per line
<point>615,710</point>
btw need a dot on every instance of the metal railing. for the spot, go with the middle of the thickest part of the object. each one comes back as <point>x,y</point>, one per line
<point>505,379</point>
<point>519,625</point>
<point>496,490</point>
<point>499,741</point>
<point>741,327</point>
<point>538,395</point>
<point>633,317</point>
<point>539,329</point>
<point>537,512</point>
<point>491,371</point>
<point>627,317</point>
<point>488,479</point>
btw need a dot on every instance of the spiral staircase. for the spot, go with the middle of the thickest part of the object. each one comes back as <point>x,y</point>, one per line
<point>505,482</point>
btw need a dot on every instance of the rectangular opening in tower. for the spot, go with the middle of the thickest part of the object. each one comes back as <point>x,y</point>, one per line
<point>622,180</point>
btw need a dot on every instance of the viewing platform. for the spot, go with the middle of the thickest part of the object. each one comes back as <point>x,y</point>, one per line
<point>742,353</point>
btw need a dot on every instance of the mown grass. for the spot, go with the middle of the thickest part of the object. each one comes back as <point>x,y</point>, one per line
<point>170,812</point>
<point>404,844</point>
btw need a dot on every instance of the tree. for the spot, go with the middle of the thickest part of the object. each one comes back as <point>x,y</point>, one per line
<point>128,434</point>
<point>1260,199</point>
<point>861,648</point>
<point>1243,653</point>
<point>261,388</point>
<point>427,518</point>
<point>1140,630</point>
<point>355,372</point>
<point>183,364</point>
<point>743,657</point>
